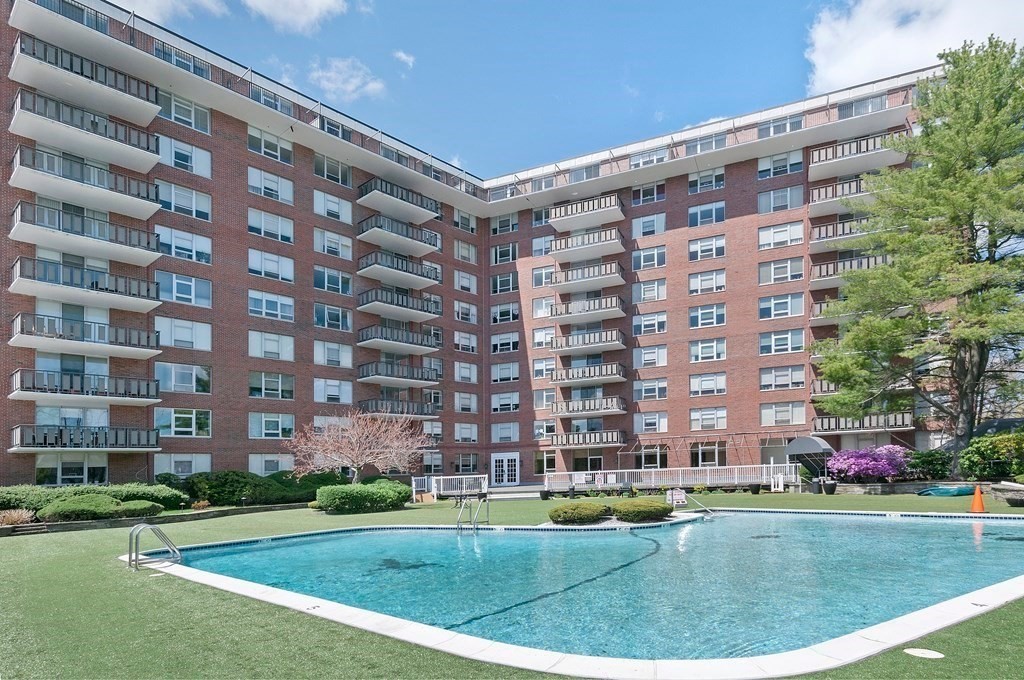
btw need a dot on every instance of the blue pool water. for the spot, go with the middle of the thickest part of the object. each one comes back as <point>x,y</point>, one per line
<point>739,585</point>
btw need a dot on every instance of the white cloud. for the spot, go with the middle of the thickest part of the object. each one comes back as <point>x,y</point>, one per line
<point>712,119</point>
<point>456,161</point>
<point>296,16</point>
<point>162,11</point>
<point>345,80</point>
<point>404,57</point>
<point>860,40</point>
<point>659,116</point>
<point>365,7</point>
<point>281,71</point>
<point>630,90</point>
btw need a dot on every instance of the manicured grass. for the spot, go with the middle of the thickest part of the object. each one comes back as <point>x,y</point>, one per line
<point>69,609</point>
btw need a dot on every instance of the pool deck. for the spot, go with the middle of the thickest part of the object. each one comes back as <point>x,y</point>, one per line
<point>816,658</point>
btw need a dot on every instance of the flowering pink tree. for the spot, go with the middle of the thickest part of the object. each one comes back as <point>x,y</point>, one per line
<point>871,464</point>
<point>359,441</point>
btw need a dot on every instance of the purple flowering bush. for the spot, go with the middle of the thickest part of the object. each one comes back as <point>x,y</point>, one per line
<point>871,464</point>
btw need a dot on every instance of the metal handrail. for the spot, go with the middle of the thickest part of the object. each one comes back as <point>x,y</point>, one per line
<point>134,537</point>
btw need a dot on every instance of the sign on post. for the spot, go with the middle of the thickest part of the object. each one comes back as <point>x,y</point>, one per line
<point>675,497</point>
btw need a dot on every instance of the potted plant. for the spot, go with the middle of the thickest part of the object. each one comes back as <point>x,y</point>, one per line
<point>755,489</point>
<point>829,487</point>
<point>545,494</point>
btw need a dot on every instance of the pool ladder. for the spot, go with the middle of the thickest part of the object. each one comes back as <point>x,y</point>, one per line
<point>482,501</point>
<point>134,537</point>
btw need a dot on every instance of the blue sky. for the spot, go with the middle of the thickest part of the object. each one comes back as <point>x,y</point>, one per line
<point>498,87</point>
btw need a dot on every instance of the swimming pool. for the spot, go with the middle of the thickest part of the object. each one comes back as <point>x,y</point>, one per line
<point>740,585</point>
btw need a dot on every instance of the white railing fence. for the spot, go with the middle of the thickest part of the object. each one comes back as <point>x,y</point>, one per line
<point>711,476</point>
<point>457,485</point>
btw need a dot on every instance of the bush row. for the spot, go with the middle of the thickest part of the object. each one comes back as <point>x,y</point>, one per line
<point>378,496</point>
<point>642,510</point>
<point>578,513</point>
<point>35,498</point>
<point>95,506</point>
<point>228,487</point>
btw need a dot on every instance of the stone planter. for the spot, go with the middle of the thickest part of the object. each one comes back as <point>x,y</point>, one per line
<point>1013,495</point>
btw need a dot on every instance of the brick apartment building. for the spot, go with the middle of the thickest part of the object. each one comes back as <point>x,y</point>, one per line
<point>201,260</point>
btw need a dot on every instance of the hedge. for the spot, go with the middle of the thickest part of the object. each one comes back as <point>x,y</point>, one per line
<point>96,506</point>
<point>642,510</point>
<point>31,497</point>
<point>578,513</point>
<point>349,499</point>
<point>996,456</point>
<point>303,489</point>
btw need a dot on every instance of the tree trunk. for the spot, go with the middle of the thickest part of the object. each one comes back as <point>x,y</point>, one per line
<point>968,368</point>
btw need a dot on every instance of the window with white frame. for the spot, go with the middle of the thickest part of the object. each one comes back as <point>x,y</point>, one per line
<point>188,290</point>
<point>505,372</point>
<point>465,221</point>
<point>466,372</point>
<point>271,346</point>
<point>332,170</point>
<point>271,226</point>
<point>649,193</point>
<point>271,266</point>
<point>707,282</point>
<point>780,126</point>
<point>182,422</point>
<point>269,145</point>
<point>465,311</point>
<point>466,433</point>
<point>187,157</point>
<point>709,213</point>
<point>542,399</point>
<point>780,306</point>
<point>544,367</point>
<point>584,173</point>
<point>265,385</point>
<point>181,464</point>
<point>329,243</point>
<point>781,342</point>
<point>780,271</point>
<point>707,454</point>
<point>782,378</point>
<point>466,463</point>
<point>465,342</point>
<point>331,391</point>
<point>183,200</point>
<point>271,425</point>
<point>543,429</point>
<point>712,349</point>
<point>465,282</point>
<point>271,305</point>
<point>77,467</point>
<point>649,291</point>
<point>332,280</point>
<point>780,199</point>
<point>434,364</point>
<point>783,413</point>
<point>182,377</point>
<point>707,248</point>
<point>780,164</point>
<point>542,337</point>
<point>183,111</point>
<point>433,463</point>
<point>707,384</point>
<point>710,418</point>
<point>705,143</point>
<point>504,224</point>
<point>651,225</point>
<point>332,354</point>
<point>435,398</point>
<point>504,342</point>
<point>334,318</point>
<point>504,253</point>
<point>647,423</point>
<point>649,357</point>
<point>650,324</point>
<point>332,207</point>
<point>504,283</point>
<point>542,245</point>
<point>465,402</point>
<point>542,183</point>
<point>862,106</point>
<point>648,258</point>
<point>650,390</point>
<point>263,183</point>
<point>505,312</point>
<point>780,235</point>
<point>184,245</point>
<point>185,334</point>
<point>505,402</point>
<point>706,316</point>
<point>645,158</point>
<point>542,307</point>
<point>465,252</point>
<point>542,276</point>
<point>504,432</point>
<point>706,180</point>
<point>264,464</point>
<point>541,216</point>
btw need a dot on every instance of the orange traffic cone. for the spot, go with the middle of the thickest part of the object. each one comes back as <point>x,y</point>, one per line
<point>977,505</point>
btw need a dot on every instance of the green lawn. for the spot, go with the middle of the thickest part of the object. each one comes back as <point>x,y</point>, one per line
<point>69,609</point>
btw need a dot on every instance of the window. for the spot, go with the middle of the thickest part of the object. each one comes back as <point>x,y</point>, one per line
<point>649,357</point>
<point>181,333</point>
<point>783,413</point>
<point>264,464</point>
<point>780,199</point>
<point>271,425</point>
<point>466,372</point>
<point>184,246</point>
<point>498,193</point>
<point>707,384</point>
<point>504,224</point>
<point>780,126</point>
<point>182,422</point>
<point>705,143</point>
<point>707,180</point>
<point>542,183</point>
<point>181,464</point>
<point>648,258</point>
<point>780,235</point>
<point>465,221</point>
<point>184,156</point>
<point>542,245</point>
<point>263,183</point>
<point>780,164</point>
<point>331,170</point>
<point>543,429</point>
<point>782,378</point>
<point>465,252</point>
<point>434,364</point>
<point>71,468</point>
<point>650,324</point>
<point>269,99</point>
<point>504,342</point>
<point>505,283</point>
<point>508,372</point>
<point>709,213</point>
<point>707,248</point>
<point>433,463</point>
<point>652,457</point>
<point>329,243</point>
<point>271,306</point>
<point>332,354</point>
<point>584,173</point>
<point>542,337</point>
<point>541,216</point>
<point>183,111</point>
<point>650,390</point>
<point>707,350</point>
<point>641,160</point>
<point>712,418</point>
<point>707,282</point>
<point>435,398</point>
<point>271,266</point>
<point>271,226</point>
<point>271,385</point>
<point>543,368</point>
<point>504,432</point>
<point>327,391</point>
<point>505,312</point>
<point>542,399</point>
<point>651,225</point>
<point>648,193</point>
<point>706,316</point>
<point>780,306</point>
<point>542,276</point>
<point>466,433</point>
<point>504,253</point>
<point>331,206</point>
<point>185,289</point>
<point>649,291</point>
<point>505,402</point>
<point>465,463</point>
<point>465,342</point>
<point>331,280</point>
<point>183,200</point>
<point>465,402</point>
<point>781,342</point>
<point>182,377</point>
<point>270,145</point>
<point>650,422</point>
<point>780,271</point>
<point>707,454</point>
<point>271,346</point>
<point>465,282</point>
<point>862,106</point>
<point>465,311</point>
<point>329,316</point>
<point>542,307</point>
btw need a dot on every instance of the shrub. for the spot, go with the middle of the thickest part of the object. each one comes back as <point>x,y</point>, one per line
<point>35,498</point>
<point>228,487</point>
<point>81,507</point>
<point>373,479</point>
<point>171,480</point>
<point>578,513</point>
<point>348,499</point>
<point>934,464</point>
<point>642,510</point>
<point>303,489</point>
<point>870,464</point>
<point>201,505</point>
<point>1019,479</point>
<point>313,505</point>
<point>139,509</point>
<point>994,456</point>
<point>166,497</point>
<point>16,517</point>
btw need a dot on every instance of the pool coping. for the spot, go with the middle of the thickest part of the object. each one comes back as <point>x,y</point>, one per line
<point>819,657</point>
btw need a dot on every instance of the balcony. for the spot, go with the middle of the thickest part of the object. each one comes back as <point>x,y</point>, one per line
<point>593,342</point>
<point>823,388</point>
<point>587,246</point>
<point>57,438</point>
<point>853,157</point>
<point>399,306</point>
<point>589,310</point>
<point>581,408</point>
<point>54,388</point>
<point>81,286</point>
<point>397,375</point>
<point>57,124</point>
<point>72,336</point>
<point>393,270</point>
<point>82,184</point>
<point>597,374</point>
<point>395,201</point>
<point>883,422</point>
<point>591,277</point>
<point>588,440</point>
<point>830,274</point>
<point>828,199</point>
<point>81,81</point>
<point>398,408</point>
<point>825,237</point>
<point>397,340</point>
<point>81,235</point>
<point>591,212</point>
<point>398,237</point>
